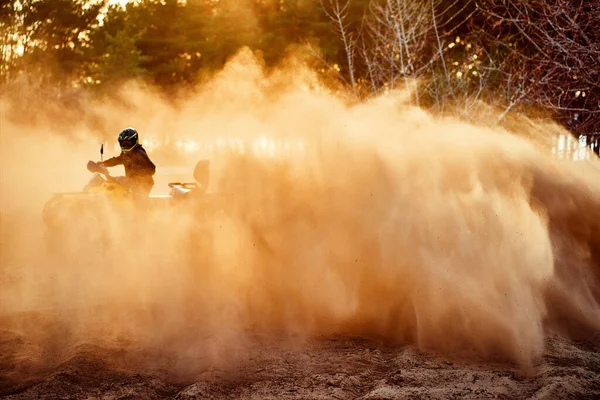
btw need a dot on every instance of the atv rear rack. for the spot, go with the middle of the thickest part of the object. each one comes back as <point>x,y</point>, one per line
<point>186,185</point>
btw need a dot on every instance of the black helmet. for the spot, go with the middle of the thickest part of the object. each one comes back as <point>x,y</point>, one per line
<point>128,139</point>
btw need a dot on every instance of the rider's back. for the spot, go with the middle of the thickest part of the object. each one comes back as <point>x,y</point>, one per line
<point>136,162</point>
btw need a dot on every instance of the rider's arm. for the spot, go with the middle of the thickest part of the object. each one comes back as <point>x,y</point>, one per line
<point>111,162</point>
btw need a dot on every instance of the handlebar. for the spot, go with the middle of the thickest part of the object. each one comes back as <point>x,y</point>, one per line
<point>95,167</point>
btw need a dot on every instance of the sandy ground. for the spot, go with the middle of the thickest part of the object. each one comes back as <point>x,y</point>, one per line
<point>276,366</point>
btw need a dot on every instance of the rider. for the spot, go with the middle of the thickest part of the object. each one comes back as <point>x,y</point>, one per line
<point>138,167</point>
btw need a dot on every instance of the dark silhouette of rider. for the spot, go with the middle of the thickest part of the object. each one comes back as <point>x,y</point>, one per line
<point>139,169</point>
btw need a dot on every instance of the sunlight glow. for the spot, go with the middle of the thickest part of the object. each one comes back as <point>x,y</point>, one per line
<point>567,147</point>
<point>121,2</point>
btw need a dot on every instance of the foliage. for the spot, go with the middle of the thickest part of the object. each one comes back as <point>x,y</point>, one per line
<point>534,54</point>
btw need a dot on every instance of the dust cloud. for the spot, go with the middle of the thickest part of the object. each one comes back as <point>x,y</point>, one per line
<point>386,222</point>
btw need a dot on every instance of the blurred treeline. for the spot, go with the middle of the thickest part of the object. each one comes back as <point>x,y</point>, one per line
<point>542,56</point>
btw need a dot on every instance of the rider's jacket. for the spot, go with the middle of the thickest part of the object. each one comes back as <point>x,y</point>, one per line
<point>138,165</point>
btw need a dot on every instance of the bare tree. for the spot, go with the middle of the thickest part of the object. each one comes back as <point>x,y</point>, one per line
<point>541,55</point>
<point>555,52</point>
<point>412,45</point>
<point>397,33</point>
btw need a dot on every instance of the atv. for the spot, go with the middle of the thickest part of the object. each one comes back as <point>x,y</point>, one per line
<point>106,200</point>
